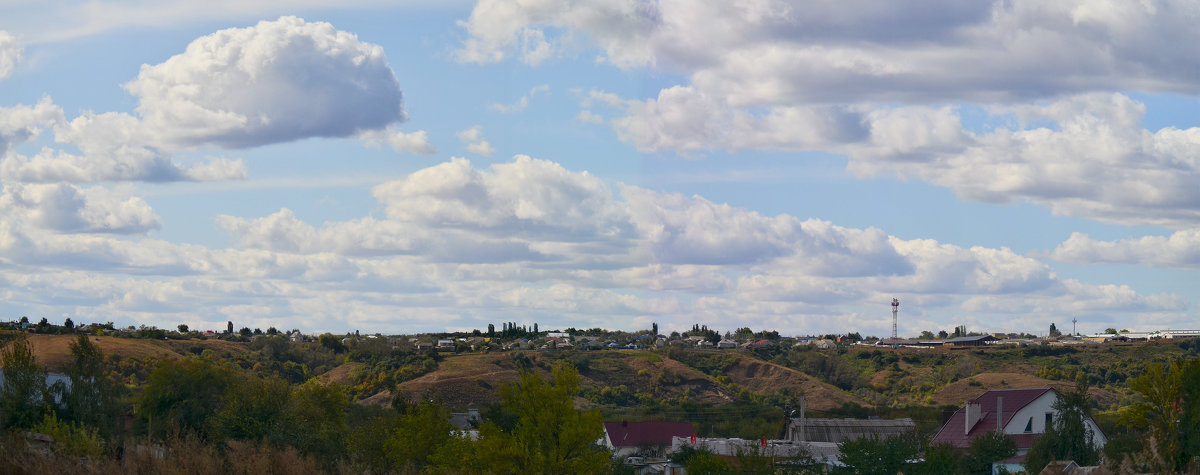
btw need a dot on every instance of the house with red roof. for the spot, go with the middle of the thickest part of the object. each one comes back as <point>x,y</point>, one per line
<point>1022,414</point>
<point>643,438</point>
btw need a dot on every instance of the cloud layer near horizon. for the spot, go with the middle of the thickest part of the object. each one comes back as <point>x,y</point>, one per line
<point>528,240</point>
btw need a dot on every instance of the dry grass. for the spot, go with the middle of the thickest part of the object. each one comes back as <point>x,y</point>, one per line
<point>757,375</point>
<point>339,374</point>
<point>54,351</point>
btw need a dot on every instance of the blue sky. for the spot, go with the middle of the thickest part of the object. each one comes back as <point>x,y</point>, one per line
<point>438,166</point>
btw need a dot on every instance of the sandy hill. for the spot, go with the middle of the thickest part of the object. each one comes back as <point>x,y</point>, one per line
<point>54,351</point>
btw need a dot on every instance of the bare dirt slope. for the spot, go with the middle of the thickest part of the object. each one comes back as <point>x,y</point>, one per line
<point>459,381</point>
<point>339,374</point>
<point>759,376</point>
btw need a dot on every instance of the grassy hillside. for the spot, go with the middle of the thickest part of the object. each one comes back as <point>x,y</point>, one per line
<point>658,381</point>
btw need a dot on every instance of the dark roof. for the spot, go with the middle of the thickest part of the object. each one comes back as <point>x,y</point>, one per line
<point>634,434</point>
<point>1014,400</point>
<point>969,339</point>
<point>839,430</point>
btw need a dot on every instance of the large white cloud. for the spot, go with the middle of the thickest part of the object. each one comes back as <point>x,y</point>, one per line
<point>771,52</point>
<point>10,53</point>
<point>882,84</point>
<point>70,209</point>
<point>276,81</point>
<point>1179,250</point>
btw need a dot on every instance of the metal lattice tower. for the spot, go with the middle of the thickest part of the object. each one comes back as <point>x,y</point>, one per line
<point>895,309</point>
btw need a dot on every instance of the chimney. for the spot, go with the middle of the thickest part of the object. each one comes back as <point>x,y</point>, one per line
<point>999,414</point>
<point>974,414</point>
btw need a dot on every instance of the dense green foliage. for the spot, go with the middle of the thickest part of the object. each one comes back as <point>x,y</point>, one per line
<point>24,395</point>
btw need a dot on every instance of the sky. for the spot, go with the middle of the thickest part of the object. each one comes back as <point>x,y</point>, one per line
<point>428,166</point>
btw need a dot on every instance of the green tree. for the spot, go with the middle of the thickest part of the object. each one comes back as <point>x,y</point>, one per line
<point>94,397</point>
<point>252,409</point>
<point>986,449</point>
<point>420,433</point>
<point>68,325</point>
<point>328,340</point>
<point>1068,437</point>
<point>181,394</point>
<point>316,417</point>
<point>183,328</point>
<point>1170,409</point>
<point>24,396</point>
<point>878,456</point>
<point>550,436</point>
<point>1054,331</point>
<point>940,459</point>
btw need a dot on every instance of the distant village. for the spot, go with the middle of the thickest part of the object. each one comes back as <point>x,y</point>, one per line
<point>512,336</point>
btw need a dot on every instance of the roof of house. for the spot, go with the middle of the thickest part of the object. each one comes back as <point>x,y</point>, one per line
<point>634,434</point>
<point>953,431</point>
<point>838,430</point>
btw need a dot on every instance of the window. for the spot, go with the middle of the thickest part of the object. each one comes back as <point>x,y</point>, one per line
<point>1049,419</point>
<point>1029,425</point>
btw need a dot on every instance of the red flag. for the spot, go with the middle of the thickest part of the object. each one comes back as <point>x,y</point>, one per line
<point>763,442</point>
<point>693,439</point>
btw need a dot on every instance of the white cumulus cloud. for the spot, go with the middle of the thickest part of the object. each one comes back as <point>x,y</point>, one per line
<point>276,81</point>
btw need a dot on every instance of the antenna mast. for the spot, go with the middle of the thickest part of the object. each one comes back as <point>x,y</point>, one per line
<point>895,309</point>
<point>1073,320</point>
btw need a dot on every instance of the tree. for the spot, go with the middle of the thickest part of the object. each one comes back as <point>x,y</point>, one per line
<point>1170,407</point>
<point>941,458</point>
<point>68,325</point>
<point>987,448</point>
<point>550,436</point>
<point>1054,331</point>
<point>654,328</point>
<point>942,334</point>
<point>491,330</point>
<point>1068,437</point>
<point>24,394</point>
<point>229,327</point>
<point>878,456</point>
<point>927,335</point>
<point>1110,331</point>
<point>93,398</point>
<point>183,328</point>
<point>332,342</point>
<point>181,394</point>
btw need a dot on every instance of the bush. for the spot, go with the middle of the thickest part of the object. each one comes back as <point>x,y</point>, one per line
<point>74,440</point>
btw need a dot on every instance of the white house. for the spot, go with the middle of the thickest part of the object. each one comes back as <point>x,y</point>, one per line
<point>1022,414</point>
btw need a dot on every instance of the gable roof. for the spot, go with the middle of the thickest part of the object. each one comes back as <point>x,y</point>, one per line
<point>634,434</point>
<point>952,431</point>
